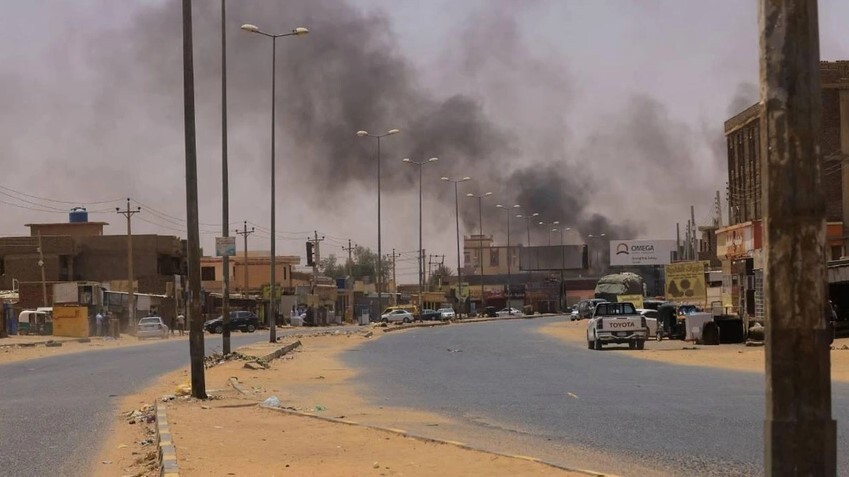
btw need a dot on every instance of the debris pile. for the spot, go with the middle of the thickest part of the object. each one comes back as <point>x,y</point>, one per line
<point>145,415</point>
<point>217,358</point>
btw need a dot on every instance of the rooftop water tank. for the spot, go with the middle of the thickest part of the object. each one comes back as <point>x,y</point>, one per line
<point>78,215</point>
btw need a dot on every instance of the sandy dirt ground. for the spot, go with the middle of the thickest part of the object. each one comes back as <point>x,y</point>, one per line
<point>231,435</point>
<point>15,348</point>
<point>737,357</point>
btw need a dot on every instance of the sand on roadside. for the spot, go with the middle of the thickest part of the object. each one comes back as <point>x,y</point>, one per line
<point>21,352</point>
<point>231,434</point>
<point>735,357</point>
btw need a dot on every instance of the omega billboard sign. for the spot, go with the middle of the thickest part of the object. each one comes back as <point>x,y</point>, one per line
<point>629,253</point>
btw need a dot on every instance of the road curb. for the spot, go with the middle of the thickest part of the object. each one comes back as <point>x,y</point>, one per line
<point>417,437</point>
<point>279,352</point>
<point>165,443</point>
<point>33,344</point>
<point>410,327</point>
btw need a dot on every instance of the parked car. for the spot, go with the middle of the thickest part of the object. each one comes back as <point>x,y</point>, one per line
<point>651,320</point>
<point>446,313</point>
<point>587,307</point>
<point>430,315</point>
<point>397,316</point>
<point>413,309</point>
<point>509,312</point>
<point>244,321</point>
<point>574,315</point>
<point>152,327</point>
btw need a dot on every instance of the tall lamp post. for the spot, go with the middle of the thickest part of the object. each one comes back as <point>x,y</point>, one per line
<point>421,250</point>
<point>528,219</point>
<point>595,252</point>
<point>480,241</point>
<point>509,255</point>
<point>300,31</point>
<point>362,133</point>
<point>457,217</point>
<point>555,223</point>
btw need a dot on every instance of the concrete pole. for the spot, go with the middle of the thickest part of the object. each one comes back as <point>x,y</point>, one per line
<point>799,432</point>
<point>272,308</point>
<point>131,297</point>
<point>460,301</point>
<point>225,200</point>
<point>41,265</point>
<point>244,233</point>
<point>195,322</point>
<point>844,149</point>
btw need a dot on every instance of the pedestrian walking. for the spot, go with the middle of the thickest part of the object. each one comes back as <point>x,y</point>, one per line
<point>98,324</point>
<point>181,324</point>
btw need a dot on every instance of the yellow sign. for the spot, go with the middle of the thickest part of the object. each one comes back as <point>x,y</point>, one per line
<point>685,282</point>
<point>70,321</point>
<point>636,300</point>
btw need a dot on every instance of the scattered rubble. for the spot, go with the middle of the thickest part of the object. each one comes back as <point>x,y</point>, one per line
<point>146,414</point>
<point>217,358</point>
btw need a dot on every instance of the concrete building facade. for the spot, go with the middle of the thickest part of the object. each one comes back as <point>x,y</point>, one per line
<point>740,244</point>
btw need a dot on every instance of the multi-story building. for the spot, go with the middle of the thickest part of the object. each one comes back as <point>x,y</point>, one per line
<point>78,251</point>
<point>258,268</point>
<point>739,245</point>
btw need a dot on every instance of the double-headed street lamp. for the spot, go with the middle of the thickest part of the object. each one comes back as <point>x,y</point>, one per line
<point>509,256</point>
<point>457,217</point>
<point>362,133</point>
<point>300,31</point>
<point>555,223</point>
<point>595,252</point>
<point>421,250</point>
<point>480,239</point>
<point>561,230</point>
<point>528,219</point>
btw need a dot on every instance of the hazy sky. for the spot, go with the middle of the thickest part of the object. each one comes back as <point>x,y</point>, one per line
<point>615,108</point>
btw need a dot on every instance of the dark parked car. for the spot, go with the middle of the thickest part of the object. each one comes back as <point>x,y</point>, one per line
<point>244,321</point>
<point>430,315</point>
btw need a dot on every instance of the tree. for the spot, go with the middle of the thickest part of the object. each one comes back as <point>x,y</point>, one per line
<point>330,267</point>
<point>440,276</point>
<point>364,265</point>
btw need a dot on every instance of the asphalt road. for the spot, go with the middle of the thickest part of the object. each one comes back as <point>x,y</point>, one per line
<point>508,387</point>
<point>55,411</point>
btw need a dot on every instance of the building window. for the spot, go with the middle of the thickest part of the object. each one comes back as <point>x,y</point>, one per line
<point>207,274</point>
<point>836,252</point>
<point>493,257</point>
<point>466,258</point>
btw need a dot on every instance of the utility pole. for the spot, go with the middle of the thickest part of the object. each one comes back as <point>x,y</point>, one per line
<point>131,296</point>
<point>41,265</point>
<point>677,241</point>
<point>244,233</point>
<point>694,255</point>
<point>394,282</point>
<point>718,210</point>
<point>225,199</point>
<point>799,432</point>
<point>195,322</point>
<point>349,249</point>
<point>317,243</point>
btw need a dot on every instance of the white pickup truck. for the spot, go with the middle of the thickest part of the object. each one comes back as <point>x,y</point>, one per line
<point>616,323</point>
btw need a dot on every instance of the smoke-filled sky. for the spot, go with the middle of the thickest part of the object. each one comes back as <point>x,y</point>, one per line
<point>606,115</point>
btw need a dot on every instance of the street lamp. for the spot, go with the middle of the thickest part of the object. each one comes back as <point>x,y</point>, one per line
<point>421,250</point>
<point>362,133</point>
<point>509,256</point>
<point>457,217</point>
<point>528,219</point>
<point>556,222</point>
<point>480,239</point>
<point>300,31</point>
<point>595,252</point>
